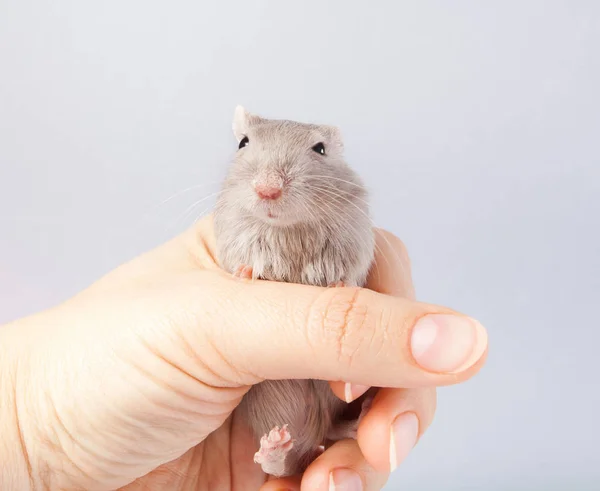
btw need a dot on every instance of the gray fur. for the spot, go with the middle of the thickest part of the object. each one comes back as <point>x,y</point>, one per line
<point>318,233</point>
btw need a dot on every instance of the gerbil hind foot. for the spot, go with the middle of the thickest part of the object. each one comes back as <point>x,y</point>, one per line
<point>274,448</point>
<point>244,272</point>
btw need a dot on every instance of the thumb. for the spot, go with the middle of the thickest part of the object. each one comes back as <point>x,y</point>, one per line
<point>287,331</point>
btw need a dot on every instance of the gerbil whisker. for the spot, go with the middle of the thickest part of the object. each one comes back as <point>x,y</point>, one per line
<point>179,193</point>
<point>313,215</point>
<point>376,246</point>
<point>327,186</point>
<point>362,186</point>
<point>339,196</point>
<point>350,223</point>
<point>392,249</point>
<point>190,208</point>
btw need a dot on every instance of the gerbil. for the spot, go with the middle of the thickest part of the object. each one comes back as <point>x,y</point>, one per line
<point>292,210</point>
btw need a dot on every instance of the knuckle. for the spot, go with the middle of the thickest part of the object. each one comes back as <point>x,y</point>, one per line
<point>343,321</point>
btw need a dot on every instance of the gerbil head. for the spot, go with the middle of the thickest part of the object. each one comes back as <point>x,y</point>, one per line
<point>285,172</point>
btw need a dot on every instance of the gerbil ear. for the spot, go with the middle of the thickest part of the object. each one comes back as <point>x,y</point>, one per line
<point>242,120</point>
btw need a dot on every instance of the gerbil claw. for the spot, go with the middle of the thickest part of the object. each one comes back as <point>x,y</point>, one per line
<point>273,449</point>
<point>338,284</point>
<point>243,272</point>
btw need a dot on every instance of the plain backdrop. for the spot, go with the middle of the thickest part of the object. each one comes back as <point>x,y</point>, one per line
<point>475,124</point>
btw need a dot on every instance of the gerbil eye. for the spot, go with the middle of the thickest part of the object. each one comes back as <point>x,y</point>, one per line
<point>319,148</point>
<point>243,142</point>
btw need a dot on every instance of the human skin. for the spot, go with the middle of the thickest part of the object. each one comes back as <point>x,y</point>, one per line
<point>133,383</point>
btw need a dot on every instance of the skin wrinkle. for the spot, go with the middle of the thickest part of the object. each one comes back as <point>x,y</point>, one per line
<point>341,328</point>
<point>124,441</point>
<point>60,425</point>
<point>190,351</point>
<point>23,444</point>
<point>55,446</point>
<point>172,389</point>
<point>321,313</point>
<point>192,354</point>
<point>143,393</point>
<point>237,374</point>
<point>244,377</point>
<point>307,323</point>
<point>384,329</point>
<point>185,413</point>
<point>354,322</point>
<point>313,328</point>
<point>358,336</point>
<point>44,473</point>
<point>168,362</point>
<point>336,314</point>
<point>231,368</point>
<point>178,368</point>
<point>181,474</point>
<point>96,457</point>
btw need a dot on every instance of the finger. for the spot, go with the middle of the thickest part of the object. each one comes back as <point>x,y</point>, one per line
<point>393,425</point>
<point>281,330</point>
<point>342,467</point>
<point>390,274</point>
<point>391,271</point>
<point>292,483</point>
<point>348,392</point>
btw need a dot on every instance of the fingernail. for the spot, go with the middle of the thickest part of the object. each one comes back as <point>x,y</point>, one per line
<point>403,437</point>
<point>447,343</point>
<point>352,392</point>
<point>344,480</point>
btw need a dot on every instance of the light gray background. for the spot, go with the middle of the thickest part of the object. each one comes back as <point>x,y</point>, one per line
<point>476,125</point>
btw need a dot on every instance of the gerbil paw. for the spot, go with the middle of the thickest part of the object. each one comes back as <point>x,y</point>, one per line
<point>337,284</point>
<point>243,272</point>
<point>273,449</point>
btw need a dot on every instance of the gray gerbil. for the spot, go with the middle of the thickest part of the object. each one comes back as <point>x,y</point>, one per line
<point>292,210</point>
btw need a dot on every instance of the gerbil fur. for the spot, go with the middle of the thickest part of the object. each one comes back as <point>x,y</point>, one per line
<point>316,232</point>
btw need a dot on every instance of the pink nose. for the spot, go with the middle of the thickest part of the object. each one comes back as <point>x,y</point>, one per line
<point>267,192</point>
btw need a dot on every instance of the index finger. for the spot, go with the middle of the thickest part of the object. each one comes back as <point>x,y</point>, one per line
<point>391,271</point>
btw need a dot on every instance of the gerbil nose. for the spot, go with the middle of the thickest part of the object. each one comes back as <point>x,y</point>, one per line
<point>267,192</point>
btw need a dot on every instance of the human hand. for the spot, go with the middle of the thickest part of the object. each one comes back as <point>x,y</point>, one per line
<point>133,383</point>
